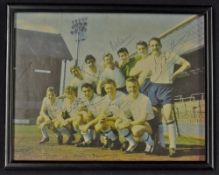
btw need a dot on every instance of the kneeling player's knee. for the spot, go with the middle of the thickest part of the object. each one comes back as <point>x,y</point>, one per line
<point>98,127</point>
<point>117,123</point>
<point>39,120</point>
<point>138,130</point>
<point>76,122</point>
<point>57,124</point>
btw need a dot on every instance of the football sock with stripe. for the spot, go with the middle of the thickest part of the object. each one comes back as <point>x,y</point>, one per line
<point>128,136</point>
<point>110,134</point>
<point>148,142</point>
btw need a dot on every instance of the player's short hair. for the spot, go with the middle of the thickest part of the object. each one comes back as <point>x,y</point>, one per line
<point>155,39</point>
<point>90,57</point>
<point>72,68</point>
<point>122,50</point>
<point>109,81</point>
<point>143,43</point>
<point>70,90</point>
<point>133,80</point>
<point>50,89</point>
<point>87,85</point>
<point>108,55</point>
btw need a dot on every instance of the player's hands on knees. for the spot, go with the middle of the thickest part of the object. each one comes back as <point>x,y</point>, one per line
<point>83,128</point>
<point>48,121</point>
<point>108,113</point>
<point>124,124</point>
<point>65,123</point>
<point>103,120</point>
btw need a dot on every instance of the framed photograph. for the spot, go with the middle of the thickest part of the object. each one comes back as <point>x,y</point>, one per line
<point>109,86</point>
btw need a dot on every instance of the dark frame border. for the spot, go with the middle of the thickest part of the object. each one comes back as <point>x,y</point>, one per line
<point>207,10</point>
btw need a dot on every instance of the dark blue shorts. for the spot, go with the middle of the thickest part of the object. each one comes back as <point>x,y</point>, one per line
<point>145,87</point>
<point>160,94</point>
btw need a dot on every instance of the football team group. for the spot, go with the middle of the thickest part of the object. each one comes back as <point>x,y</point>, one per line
<point>119,106</point>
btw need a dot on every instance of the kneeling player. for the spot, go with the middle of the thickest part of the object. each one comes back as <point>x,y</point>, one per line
<point>104,123</point>
<point>69,109</point>
<point>137,125</point>
<point>87,112</point>
<point>50,110</point>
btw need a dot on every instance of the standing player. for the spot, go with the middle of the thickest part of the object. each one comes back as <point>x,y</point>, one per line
<point>91,70</point>
<point>139,121</point>
<point>49,113</point>
<point>142,50</point>
<point>139,68</point>
<point>161,68</point>
<point>69,109</point>
<point>126,63</point>
<point>79,79</point>
<point>111,72</point>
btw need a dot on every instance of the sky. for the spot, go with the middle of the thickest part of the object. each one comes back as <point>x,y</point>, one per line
<point>106,32</point>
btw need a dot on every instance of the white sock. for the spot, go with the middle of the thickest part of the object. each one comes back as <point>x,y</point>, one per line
<point>149,143</point>
<point>66,131</point>
<point>161,140</point>
<point>86,137</point>
<point>132,143</point>
<point>128,136</point>
<point>124,132</point>
<point>44,131</point>
<point>58,132</point>
<point>172,134</point>
<point>149,148</point>
<point>147,139</point>
<point>110,134</point>
<point>91,133</point>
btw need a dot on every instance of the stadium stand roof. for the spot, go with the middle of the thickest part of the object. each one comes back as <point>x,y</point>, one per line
<point>41,45</point>
<point>185,37</point>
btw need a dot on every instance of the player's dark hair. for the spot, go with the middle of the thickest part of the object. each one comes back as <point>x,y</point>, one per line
<point>133,80</point>
<point>87,85</point>
<point>90,57</point>
<point>143,43</point>
<point>109,81</point>
<point>50,89</point>
<point>108,55</point>
<point>155,39</point>
<point>74,67</point>
<point>71,89</point>
<point>122,50</point>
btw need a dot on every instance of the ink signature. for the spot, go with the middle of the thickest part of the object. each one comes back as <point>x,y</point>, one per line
<point>121,41</point>
<point>174,43</point>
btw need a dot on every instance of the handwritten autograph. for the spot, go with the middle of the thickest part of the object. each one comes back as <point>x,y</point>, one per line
<point>121,41</point>
<point>174,44</point>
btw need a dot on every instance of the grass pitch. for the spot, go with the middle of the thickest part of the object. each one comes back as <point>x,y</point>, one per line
<point>27,147</point>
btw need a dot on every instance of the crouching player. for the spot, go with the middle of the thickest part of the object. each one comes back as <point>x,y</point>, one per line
<point>88,110</point>
<point>104,123</point>
<point>49,112</point>
<point>69,109</point>
<point>139,119</point>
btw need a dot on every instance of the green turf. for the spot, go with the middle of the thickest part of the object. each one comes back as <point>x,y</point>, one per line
<point>26,147</point>
<point>25,130</point>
